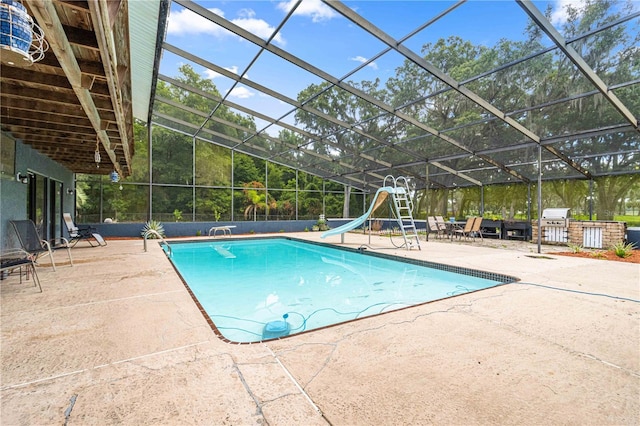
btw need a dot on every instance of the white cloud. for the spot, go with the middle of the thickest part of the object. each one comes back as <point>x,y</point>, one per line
<point>186,22</point>
<point>260,28</point>
<point>241,93</point>
<point>317,10</point>
<point>560,15</point>
<point>362,60</point>
<point>210,74</point>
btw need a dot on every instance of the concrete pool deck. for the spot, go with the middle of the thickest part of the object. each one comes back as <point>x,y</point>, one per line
<point>116,339</point>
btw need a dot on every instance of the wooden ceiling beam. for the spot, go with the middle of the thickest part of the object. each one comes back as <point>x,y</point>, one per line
<point>34,77</point>
<point>81,37</point>
<point>70,154</point>
<point>51,140</point>
<point>72,150</point>
<point>83,152</point>
<point>79,5</point>
<point>49,134</point>
<point>87,67</point>
<point>102,24</point>
<point>60,125</point>
<point>38,134</point>
<point>113,7</point>
<point>41,117</point>
<point>47,17</point>
<point>75,111</point>
<point>46,81</point>
<point>62,98</point>
<point>32,104</point>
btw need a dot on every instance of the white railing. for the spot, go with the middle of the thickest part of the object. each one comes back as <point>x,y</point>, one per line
<point>158,236</point>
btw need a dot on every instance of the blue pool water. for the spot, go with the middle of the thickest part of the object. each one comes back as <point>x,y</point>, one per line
<point>257,289</point>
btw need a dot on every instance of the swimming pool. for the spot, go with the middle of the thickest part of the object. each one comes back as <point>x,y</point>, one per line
<point>258,289</point>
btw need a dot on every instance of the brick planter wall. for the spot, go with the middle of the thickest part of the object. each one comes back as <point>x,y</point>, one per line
<point>589,234</point>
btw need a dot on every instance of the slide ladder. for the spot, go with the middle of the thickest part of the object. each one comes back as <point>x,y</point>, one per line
<point>403,206</point>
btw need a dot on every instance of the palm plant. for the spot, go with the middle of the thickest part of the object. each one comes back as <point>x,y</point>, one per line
<point>256,202</point>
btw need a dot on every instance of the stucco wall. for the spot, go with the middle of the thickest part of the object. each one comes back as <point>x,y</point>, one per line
<point>13,199</point>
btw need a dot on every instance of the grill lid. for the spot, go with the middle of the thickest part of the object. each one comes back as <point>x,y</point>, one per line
<point>556,213</point>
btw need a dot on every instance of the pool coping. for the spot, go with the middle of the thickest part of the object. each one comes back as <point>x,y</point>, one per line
<point>119,331</point>
<point>501,278</point>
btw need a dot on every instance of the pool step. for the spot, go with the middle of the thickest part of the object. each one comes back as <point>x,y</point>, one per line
<point>223,252</point>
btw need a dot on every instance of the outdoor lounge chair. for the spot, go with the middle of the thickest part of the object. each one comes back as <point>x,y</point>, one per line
<point>13,259</point>
<point>87,233</point>
<point>31,242</point>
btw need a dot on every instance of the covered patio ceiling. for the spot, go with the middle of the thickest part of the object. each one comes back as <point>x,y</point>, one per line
<point>83,95</point>
<point>485,141</point>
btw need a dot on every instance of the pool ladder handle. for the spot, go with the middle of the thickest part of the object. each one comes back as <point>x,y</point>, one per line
<point>162,240</point>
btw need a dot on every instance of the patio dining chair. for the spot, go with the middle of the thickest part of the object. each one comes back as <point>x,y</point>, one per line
<point>442,224</point>
<point>434,228</point>
<point>79,233</point>
<point>31,242</point>
<point>476,229</point>
<point>466,231</point>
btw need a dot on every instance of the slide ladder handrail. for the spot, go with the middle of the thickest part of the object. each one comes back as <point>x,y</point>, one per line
<point>403,205</point>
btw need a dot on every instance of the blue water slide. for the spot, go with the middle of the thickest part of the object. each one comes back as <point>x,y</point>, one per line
<point>359,221</point>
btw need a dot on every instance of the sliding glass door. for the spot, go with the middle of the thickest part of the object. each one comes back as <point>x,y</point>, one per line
<point>44,206</point>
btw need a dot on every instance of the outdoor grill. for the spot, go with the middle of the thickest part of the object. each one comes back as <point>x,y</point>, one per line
<point>556,217</point>
<point>555,225</point>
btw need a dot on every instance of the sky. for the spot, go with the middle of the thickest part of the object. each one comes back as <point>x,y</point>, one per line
<point>324,39</point>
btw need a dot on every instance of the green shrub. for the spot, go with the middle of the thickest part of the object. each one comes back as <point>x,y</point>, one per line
<point>321,224</point>
<point>623,249</point>
<point>575,248</point>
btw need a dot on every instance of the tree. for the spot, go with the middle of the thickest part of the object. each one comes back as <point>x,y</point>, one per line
<point>257,199</point>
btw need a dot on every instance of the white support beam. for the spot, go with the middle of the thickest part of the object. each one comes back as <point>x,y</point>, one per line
<point>455,172</point>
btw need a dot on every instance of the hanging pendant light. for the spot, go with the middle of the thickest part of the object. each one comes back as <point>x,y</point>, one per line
<point>96,155</point>
<point>22,41</point>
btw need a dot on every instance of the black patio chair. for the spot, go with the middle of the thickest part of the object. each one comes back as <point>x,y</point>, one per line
<point>13,259</point>
<point>31,242</point>
<point>79,233</point>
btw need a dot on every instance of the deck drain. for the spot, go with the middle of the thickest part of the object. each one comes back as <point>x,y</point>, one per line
<point>540,257</point>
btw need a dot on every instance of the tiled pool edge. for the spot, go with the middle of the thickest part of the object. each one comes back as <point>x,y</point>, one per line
<point>493,276</point>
